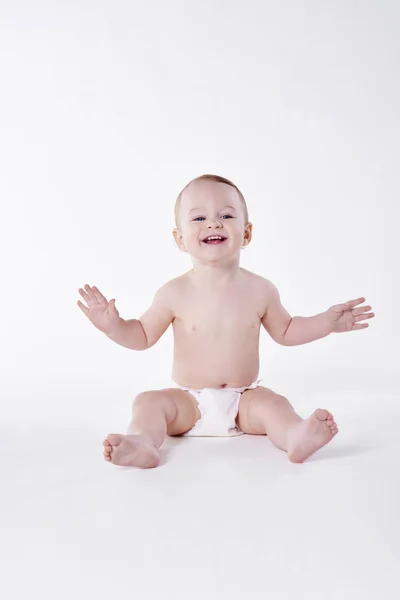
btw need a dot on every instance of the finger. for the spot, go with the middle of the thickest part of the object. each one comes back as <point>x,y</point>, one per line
<point>360,326</point>
<point>84,295</point>
<point>99,296</point>
<point>353,303</point>
<point>112,305</point>
<point>363,317</point>
<point>360,310</point>
<point>83,307</point>
<point>91,295</point>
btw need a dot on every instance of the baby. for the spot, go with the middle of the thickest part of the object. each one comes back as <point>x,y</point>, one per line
<point>216,310</point>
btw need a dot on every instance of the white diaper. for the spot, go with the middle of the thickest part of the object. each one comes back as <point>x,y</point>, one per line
<point>218,409</point>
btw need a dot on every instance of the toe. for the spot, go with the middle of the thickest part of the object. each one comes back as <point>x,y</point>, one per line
<point>321,414</point>
<point>114,438</point>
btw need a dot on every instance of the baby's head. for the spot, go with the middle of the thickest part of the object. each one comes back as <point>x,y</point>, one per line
<point>211,205</point>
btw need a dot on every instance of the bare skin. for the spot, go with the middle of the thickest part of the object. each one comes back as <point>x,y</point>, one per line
<point>131,451</point>
<point>216,310</point>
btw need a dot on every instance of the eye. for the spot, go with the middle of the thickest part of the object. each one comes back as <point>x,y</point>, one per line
<point>197,218</point>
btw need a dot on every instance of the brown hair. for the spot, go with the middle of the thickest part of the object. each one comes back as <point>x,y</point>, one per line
<point>218,179</point>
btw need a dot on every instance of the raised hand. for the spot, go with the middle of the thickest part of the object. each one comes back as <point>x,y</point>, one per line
<point>99,311</point>
<point>345,317</point>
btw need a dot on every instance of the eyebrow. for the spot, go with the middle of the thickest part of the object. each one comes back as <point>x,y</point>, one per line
<point>226,206</point>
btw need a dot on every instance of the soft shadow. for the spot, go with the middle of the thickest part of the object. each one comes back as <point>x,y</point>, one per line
<point>342,451</point>
<point>168,448</point>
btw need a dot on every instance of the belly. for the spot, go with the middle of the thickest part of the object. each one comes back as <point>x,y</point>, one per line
<point>224,361</point>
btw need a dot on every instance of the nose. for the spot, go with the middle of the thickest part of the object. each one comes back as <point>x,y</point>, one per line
<point>212,224</point>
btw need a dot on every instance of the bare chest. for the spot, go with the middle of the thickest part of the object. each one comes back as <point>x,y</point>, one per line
<point>218,315</point>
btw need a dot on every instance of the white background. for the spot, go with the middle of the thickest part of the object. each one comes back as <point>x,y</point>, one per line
<point>107,109</point>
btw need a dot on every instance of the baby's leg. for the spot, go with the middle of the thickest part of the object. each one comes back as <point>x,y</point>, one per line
<point>155,413</point>
<point>262,412</point>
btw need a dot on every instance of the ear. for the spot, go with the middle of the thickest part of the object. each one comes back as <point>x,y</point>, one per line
<point>247,235</point>
<point>178,239</point>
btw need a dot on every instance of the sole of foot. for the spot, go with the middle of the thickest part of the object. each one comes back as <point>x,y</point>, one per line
<point>130,451</point>
<point>311,435</point>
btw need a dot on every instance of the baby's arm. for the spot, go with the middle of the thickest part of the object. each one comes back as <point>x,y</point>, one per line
<point>291,331</point>
<point>143,333</point>
<point>156,320</point>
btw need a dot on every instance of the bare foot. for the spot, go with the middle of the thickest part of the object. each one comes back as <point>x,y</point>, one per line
<point>310,435</point>
<point>131,451</point>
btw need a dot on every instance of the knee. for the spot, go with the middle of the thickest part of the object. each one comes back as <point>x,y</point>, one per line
<point>152,400</point>
<point>263,402</point>
<point>148,398</point>
<point>278,400</point>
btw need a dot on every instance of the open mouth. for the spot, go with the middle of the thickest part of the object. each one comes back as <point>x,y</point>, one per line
<point>214,239</point>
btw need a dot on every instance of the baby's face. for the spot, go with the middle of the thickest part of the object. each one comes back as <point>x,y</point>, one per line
<point>211,208</point>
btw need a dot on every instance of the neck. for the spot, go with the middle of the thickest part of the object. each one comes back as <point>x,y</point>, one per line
<point>215,274</point>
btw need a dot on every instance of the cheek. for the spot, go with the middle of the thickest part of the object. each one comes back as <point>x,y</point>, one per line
<point>237,231</point>
<point>190,235</point>
<point>193,231</point>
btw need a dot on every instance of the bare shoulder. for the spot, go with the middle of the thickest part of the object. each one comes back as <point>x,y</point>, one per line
<point>178,284</point>
<point>261,288</point>
<point>170,291</point>
<point>265,286</point>
<point>169,286</point>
